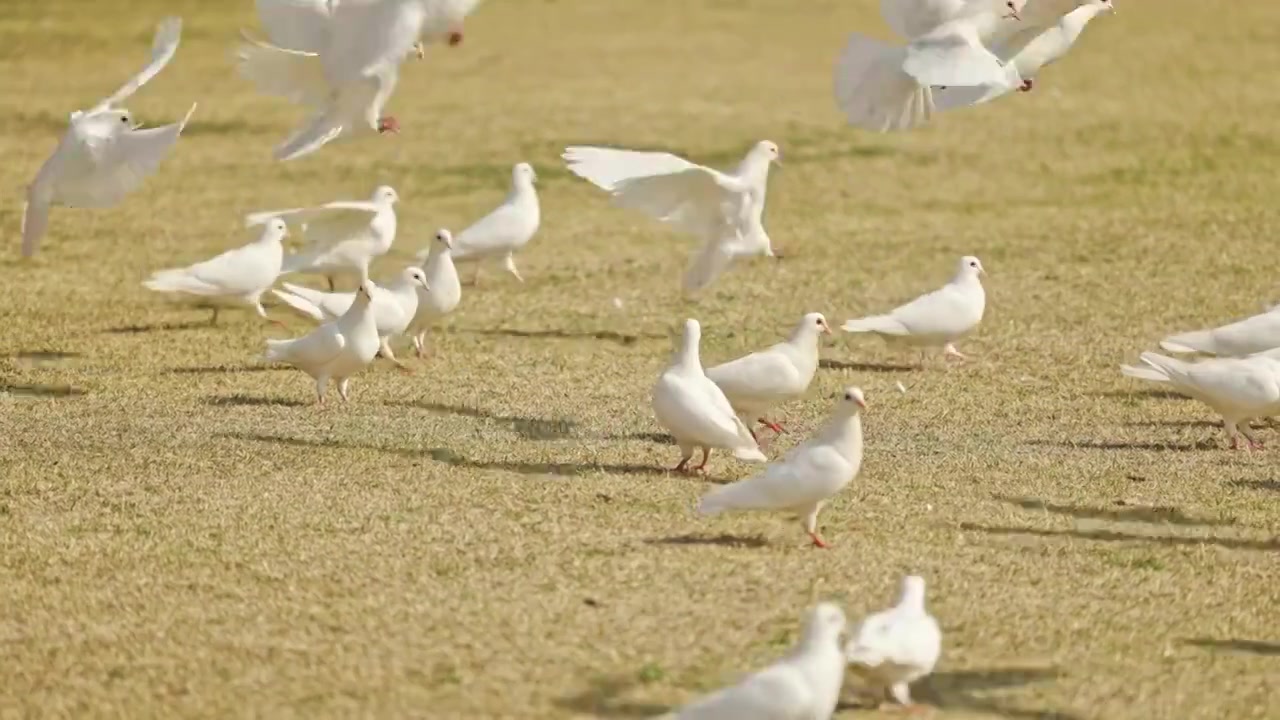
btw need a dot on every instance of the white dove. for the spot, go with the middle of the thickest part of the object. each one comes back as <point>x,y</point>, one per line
<point>893,648</point>
<point>936,319</point>
<point>394,306</point>
<point>444,294</point>
<point>1239,389</point>
<point>342,236</point>
<point>103,156</point>
<point>724,210</point>
<point>241,275</point>
<point>1251,335</point>
<point>806,477</point>
<point>884,87</point>
<point>757,382</point>
<point>1025,52</point>
<point>336,349</point>
<point>306,24</point>
<point>804,685</point>
<point>695,410</point>
<point>505,230</point>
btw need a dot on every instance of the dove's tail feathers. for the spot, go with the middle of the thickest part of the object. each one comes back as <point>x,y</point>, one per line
<point>317,133</point>
<point>278,350</point>
<point>745,494</point>
<point>1189,342</point>
<point>299,303</point>
<point>1171,367</point>
<point>35,218</point>
<point>170,281</point>
<point>1144,373</point>
<point>290,74</point>
<point>883,324</point>
<point>873,91</point>
<point>750,454</point>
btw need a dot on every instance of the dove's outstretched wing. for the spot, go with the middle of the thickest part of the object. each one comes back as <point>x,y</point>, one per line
<point>163,47</point>
<point>296,24</point>
<point>120,165</point>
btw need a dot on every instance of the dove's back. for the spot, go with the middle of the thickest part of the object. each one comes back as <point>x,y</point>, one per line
<point>696,412</point>
<point>1245,337</point>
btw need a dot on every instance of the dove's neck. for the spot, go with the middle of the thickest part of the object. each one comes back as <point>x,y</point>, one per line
<point>437,258</point>
<point>844,433</point>
<point>523,193</point>
<point>754,168</point>
<point>1073,22</point>
<point>688,358</point>
<point>966,279</point>
<point>912,595</point>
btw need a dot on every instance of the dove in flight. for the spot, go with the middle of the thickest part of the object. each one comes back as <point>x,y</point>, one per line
<point>757,382</point>
<point>241,275</point>
<point>893,648</point>
<point>394,306</point>
<point>725,210</point>
<point>306,24</point>
<point>1238,389</point>
<point>443,293</point>
<point>343,236</point>
<point>803,685</point>
<point>936,319</point>
<point>104,155</point>
<point>808,476</point>
<point>505,230</point>
<point>695,411</point>
<point>335,350</point>
<point>883,87</point>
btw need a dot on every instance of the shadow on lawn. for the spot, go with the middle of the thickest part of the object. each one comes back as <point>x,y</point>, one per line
<point>1207,444</point>
<point>954,690</point>
<point>723,540</point>
<point>559,334</point>
<point>529,428</point>
<point>1253,647</point>
<point>1272,485</point>
<point>1116,536</point>
<point>35,390</point>
<point>865,367</point>
<point>1153,514</point>
<point>603,698</point>
<point>242,400</point>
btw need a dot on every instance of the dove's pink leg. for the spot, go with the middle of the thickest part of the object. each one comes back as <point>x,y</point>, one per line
<point>951,352</point>
<point>771,425</point>
<point>817,540</point>
<point>388,124</point>
<point>706,455</point>
<point>1026,86</point>
<point>686,455</point>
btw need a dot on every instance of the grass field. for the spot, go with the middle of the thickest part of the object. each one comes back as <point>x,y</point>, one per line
<point>183,534</point>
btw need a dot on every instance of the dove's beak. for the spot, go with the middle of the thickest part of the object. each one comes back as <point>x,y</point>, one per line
<point>826,329</point>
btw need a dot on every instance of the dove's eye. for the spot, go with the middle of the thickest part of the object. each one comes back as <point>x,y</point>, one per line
<point>124,119</point>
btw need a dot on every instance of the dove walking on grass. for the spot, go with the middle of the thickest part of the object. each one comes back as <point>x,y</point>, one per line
<point>804,685</point>
<point>883,87</point>
<point>238,276</point>
<point>893,648</point>
<point>505,230</point>
<point>104,155</point>
<point>937,319</point>
<point>808,476</point>
<point>1239,389</point>
<point>444,290</point>
<point>343,236</point>
<point>335,350</point>
<point>725,210</point>
<point>695,411</point>
<point>1025,52</point>
<point>1251,335</point>
<point>394,306</point>
<point>762,380</point>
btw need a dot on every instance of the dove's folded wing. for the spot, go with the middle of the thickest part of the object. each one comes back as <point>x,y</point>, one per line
<point>491,232</point>
<point>1242,385</point>
<point>930,313</point>
<point>320,347</point>
<point>296,24</point>
<point>776,693</point>
<point>163,47</point>
<point>122,165</point>
<point>700,414</point>
<point>913,18</point>
<point>229,270</point>
<point>951,98</point>
<point>766,373</point>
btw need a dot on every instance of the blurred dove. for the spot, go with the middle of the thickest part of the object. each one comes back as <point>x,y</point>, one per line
<point>936,319</point>
<point>806,477</point>
<point>1239,389</point>
<point>893,648</point>
<point>336,349</point>
<point>1024,53</point>
<point>306,25</point>
<point>883,87</point>
<point>394,306</point>
<point>695,410</point>
<point>804,685</point>
<point>724,210</point>
<point>342,236</point>
<point>1254,334</point>
<point>757,382</point>
<point>444,291</point>
<point>241,275</point>
<point>505,230</point>
<point>104,155</point>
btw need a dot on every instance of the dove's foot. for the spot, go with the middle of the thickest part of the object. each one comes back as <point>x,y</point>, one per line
<point>420,49</point>
<point>388,124</point>
<point>950,351</point>
<point>818,542</point>
<point>772,426</point>
<point>706,455</point>
<point>213,321</point>
<point>909,708</point>
<point>455,38</point>
<point>1026,86</point>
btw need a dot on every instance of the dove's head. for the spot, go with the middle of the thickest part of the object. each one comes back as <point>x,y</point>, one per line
<point>812,325</point>
<point>853,400</point>
<point>1099,6</point>
<point>364,293</point>
<point>767,151</point>
<point>385,195</point>
<point>414,275</point>
<point>275,230</point>
<point>111,121</point>
<point>912,592</point>
<point>523,174</point>
<point>823,624</point>
<point>1013,9</point>
<point>443,239</point>
<point>692,332</point>
<point>970,267</point>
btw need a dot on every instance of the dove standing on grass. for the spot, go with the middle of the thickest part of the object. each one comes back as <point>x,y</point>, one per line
<point>505,230</point>
<point>443,293</point>
<point>804,685</point>
<point>893,648</point>
<point>1025,53</point>
<point>1255,334</point>
<point>723,209</point>
<point>695,411</point>
<point>394,306</point>
<point>336,349</point>
<point>341,236</point>
<point>103,156</point>
<point>757,382</point>
<point>883,87</point>
<point>1239,389</point>
<point>806,477</point>
<point>238,276</point>
<point>936,319</point>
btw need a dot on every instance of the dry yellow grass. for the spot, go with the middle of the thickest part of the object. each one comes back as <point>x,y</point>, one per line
<point>182,534</point>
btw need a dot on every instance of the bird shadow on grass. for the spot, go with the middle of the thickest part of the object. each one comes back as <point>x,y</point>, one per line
<point>158,327</point>
<point>656,438</point>
<point>1157,394</point>
<point>41,391</point>
<point>242,400</point>
<point>1175,423</point>
<point>37,357</point>
<point>1230,543</point>
<point>1252,647</point>
<point>956,690</point>
<point>529,428</point>
<point>865,367</point>
<point>1153,514</point>
<point>604,698</point>
<point>723,540</point>
<point>1206,444</point>
<point>559,334</point>
<point>202,369</point>
<point>1272,485</point>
